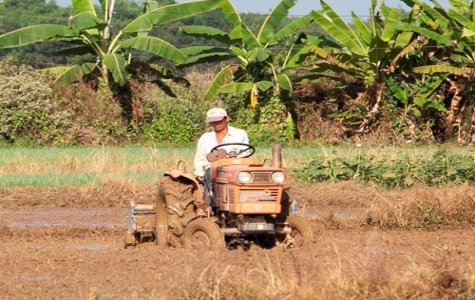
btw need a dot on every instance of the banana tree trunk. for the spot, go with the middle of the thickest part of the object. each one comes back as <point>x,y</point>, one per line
<point>472,128</point>
<point>104,73</point>
<point>371,118</point>
<point>457,107</point>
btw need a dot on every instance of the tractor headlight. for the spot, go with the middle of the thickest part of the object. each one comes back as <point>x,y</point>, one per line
<point>244,177</point>
<point>278,177</point>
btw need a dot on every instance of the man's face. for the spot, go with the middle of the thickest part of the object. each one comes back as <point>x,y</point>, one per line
<point>220,125</point>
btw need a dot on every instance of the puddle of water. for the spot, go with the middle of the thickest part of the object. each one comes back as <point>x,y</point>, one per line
<point>48,223</point>
<point>80,213</point>
<point>49,218</point>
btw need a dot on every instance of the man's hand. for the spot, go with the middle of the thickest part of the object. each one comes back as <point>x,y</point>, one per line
<point>199,178</point>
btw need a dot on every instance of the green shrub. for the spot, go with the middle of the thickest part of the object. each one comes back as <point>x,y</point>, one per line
<point>27,105</point>
<point>172,121</point>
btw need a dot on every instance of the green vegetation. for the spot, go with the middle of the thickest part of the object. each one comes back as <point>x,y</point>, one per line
<point>21,167</point>
<point>402,169</point>
<point>394,77</point>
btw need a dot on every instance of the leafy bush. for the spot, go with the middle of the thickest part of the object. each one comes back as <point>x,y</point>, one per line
<point>170,121</point>
<point>27,105</point>
<point>442,168</point>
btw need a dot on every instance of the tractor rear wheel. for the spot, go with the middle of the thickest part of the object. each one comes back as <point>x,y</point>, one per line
<point>174,210</point>
<point>301,234</point>
<point>203,234</point>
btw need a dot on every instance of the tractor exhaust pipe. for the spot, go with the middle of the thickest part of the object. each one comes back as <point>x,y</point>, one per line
<point>276,155</point>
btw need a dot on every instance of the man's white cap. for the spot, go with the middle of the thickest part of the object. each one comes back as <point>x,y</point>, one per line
<point>215,114</point>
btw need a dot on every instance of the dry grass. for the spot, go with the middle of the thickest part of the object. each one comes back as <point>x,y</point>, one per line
<point>336,272</point>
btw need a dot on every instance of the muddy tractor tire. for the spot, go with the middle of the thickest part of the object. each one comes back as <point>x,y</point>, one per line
<point>301,234</point>
<point>174,209</point>
<point>203,234</point>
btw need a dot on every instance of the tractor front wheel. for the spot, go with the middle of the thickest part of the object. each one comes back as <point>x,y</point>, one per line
<point>300,237</point>
<point>203,234</point>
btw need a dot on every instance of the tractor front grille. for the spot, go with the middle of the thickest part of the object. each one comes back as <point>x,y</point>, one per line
<point>261,177</point>
<point>258,195</point>
<point>231,195</point>
<point>250,195</point>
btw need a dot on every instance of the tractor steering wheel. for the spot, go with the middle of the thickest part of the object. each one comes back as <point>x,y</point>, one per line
<point>233,154</point>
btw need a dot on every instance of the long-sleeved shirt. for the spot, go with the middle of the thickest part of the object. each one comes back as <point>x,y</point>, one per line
<point>208,141</point>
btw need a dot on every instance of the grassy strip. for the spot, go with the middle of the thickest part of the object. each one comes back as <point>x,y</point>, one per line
<point>71,179</point>
<point>385,166</point>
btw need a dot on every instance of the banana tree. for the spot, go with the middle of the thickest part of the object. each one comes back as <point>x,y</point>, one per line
<point>454,62</point>
<point>259,68</point>
<point>88,33</point>
<point>375,53</point>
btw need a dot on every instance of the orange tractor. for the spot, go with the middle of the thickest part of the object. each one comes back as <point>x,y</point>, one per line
<point>248,205</point>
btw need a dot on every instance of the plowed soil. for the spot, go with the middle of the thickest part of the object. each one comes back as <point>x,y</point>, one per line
<point>68,244</point>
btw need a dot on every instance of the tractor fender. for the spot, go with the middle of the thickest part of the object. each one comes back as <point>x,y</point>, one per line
<point>180,173</point>
<point>196,184</point>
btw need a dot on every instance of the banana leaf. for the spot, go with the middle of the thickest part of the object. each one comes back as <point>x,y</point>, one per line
<point>338,29</point>
<point>81,50</point>
<point>116,64</point>
<point>69,74</point>
<point>362,28</point>
<point>34,34</point>
<point>168,13</point>
<point>258,54</point>
<point>391,26</point>
<point>205,57</point>
<point>249,40</point>
<point>439,69</point>
<point>86,21</point>
<point>439,15</point>
<point>240,87</point>
<point>163,72</point>
<point>208,32</point>
<point>290,29</point>
<point>274,20</point>
<point>84,6</point>
<point>231,14</point>
<point>156,46</point>
<point>164,87</point>
<point>222,78</point>
<point>438,38</point>
<point>237,51</point>
<point>285,83</point>
<point>297,58</point>
<point>461,19</point>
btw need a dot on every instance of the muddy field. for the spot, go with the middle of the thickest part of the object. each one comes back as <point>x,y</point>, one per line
<point>68,244</point>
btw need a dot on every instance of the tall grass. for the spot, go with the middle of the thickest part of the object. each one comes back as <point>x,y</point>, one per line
<point>80,166</point>
<point>46,167</point>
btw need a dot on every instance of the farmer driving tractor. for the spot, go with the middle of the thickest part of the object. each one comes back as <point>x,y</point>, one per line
<point>221,133</point>
<point>246,201</point>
